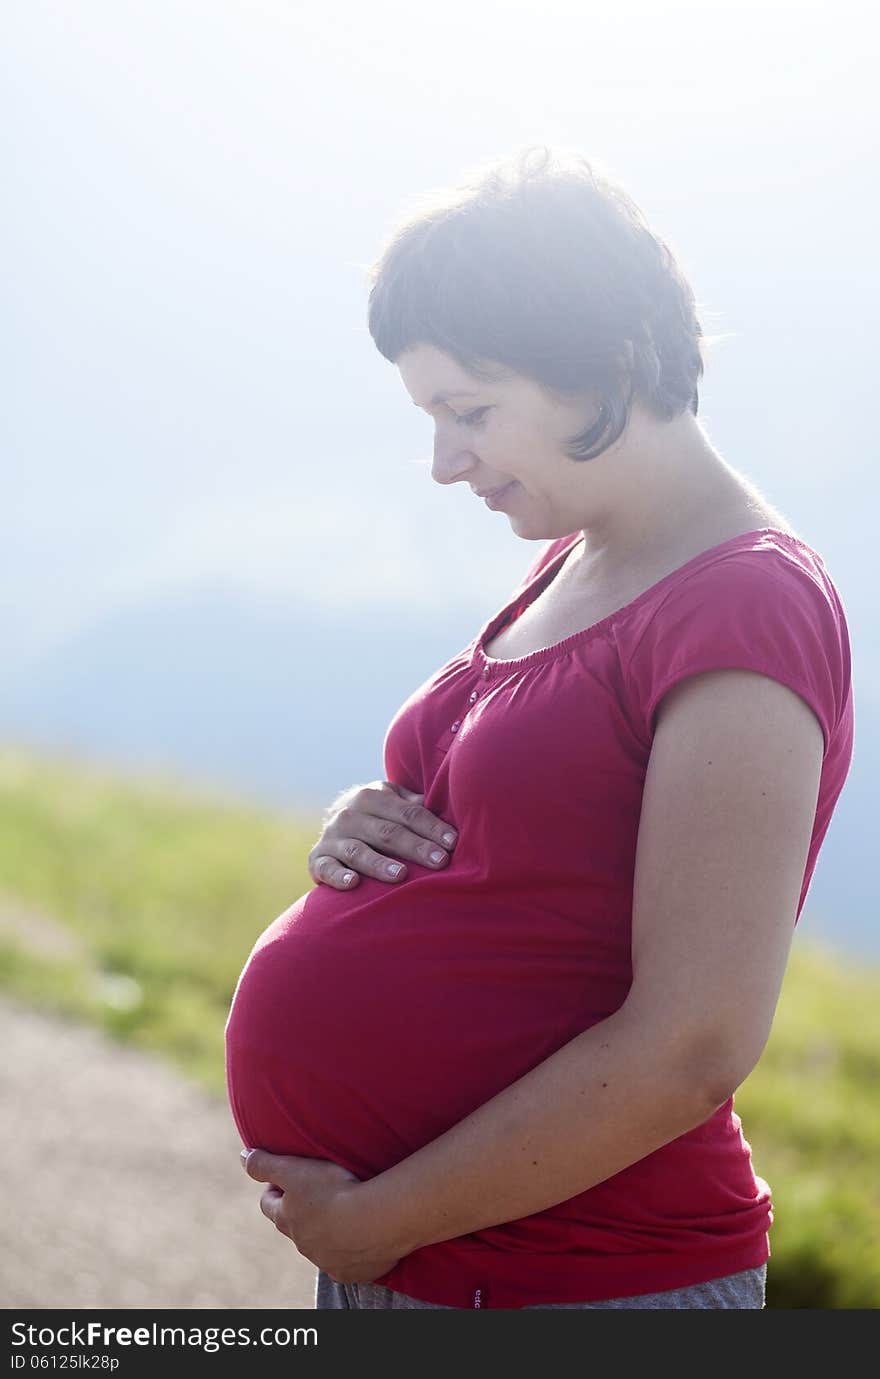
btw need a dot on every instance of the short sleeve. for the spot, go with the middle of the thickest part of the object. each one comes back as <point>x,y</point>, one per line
<point>768,610</point>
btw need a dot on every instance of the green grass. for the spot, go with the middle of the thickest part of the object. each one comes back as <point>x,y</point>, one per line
<point>133,904</point>
<point>161,892</point>
<point>811,1112</point>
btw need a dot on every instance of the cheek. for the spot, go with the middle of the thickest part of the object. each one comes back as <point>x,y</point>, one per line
<point>510,439</point>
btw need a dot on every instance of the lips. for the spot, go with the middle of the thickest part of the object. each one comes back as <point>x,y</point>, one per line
<point>498,497</point>
<point>492,492</point>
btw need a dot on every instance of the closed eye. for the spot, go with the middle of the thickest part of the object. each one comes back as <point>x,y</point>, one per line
<point>469,418</point>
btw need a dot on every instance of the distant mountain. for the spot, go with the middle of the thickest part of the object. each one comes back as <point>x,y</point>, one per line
<point>278,700</point>
<point>290,705</point>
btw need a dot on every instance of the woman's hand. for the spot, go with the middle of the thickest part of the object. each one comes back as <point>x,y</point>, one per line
<point>309,1200</point>
<point>371,828</point>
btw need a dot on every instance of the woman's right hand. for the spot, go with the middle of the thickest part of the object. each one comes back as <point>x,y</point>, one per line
<point>371,828</point>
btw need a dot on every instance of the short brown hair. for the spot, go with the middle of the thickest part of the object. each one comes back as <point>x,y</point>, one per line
<point>541,266</point>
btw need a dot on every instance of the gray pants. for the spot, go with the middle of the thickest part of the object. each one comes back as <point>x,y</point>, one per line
<point>746,1289</point>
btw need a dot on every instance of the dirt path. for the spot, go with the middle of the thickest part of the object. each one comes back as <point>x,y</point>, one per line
<point>121,1186</point>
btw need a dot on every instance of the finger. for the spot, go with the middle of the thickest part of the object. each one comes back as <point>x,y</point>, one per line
<point>263,1167</point>
<point>394,826</point>
<point>408,830</point>
<point>363,860</point>
<point>398,845</point>
<point>352,858</point>
<point>422,821</point>
<point>375,835</point>
<point>330,872</point>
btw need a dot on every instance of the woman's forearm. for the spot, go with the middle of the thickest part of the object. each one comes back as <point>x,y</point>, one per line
<point>608,1098</point>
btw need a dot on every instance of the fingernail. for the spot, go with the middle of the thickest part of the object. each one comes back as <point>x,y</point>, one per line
<point>437,855</point>
<point>394,869</point>
<point>244,1156</point>
<point>449,839</point>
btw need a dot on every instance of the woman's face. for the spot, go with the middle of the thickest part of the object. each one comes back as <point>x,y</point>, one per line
<point>506,435</point>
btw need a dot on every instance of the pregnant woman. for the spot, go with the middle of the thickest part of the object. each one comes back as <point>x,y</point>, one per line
<point>506,1079</point>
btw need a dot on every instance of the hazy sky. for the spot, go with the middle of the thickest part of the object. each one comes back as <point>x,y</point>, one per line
<point>194,189</point>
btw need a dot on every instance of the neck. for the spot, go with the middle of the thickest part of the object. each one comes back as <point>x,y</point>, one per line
<point>668,490</point>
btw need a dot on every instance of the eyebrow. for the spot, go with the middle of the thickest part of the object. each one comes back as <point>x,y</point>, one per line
<point>444,397</point>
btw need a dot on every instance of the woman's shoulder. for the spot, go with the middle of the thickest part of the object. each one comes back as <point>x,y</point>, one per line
<point>752,513</point>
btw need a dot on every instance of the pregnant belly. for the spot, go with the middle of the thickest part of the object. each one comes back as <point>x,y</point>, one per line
<point>365,1025</point>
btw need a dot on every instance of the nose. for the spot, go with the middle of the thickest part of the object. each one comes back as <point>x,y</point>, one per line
<point>452,460</point>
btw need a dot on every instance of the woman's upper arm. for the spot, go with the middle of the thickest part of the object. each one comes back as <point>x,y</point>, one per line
<point>727,816</point>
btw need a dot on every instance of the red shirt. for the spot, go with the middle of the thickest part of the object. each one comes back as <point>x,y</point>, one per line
<point>366,1024</point>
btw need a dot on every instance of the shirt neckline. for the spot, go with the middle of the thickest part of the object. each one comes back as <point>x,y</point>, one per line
<point>489,665</point>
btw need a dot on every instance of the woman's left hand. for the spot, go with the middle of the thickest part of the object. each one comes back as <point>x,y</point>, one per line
<point>310,1200</point>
